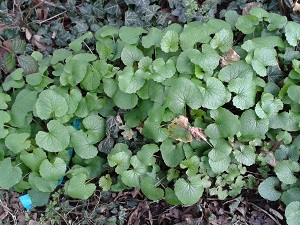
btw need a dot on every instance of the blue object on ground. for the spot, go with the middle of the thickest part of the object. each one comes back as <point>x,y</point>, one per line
<point>25,199</point>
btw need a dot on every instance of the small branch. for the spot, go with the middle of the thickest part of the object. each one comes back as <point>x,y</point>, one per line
<point>1,46</point>
<point>51,18</point>
<point>264,211</point>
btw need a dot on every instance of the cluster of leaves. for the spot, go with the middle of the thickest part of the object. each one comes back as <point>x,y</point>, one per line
<point>206,110</point>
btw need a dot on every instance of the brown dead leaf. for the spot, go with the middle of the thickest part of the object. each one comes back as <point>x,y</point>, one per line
<point>198,134</point>
<point>296,7</point>
<point>36,41</point>
<point>231,57</point>
<point>28,34</point>
<point>181,121</point>
<point>249,6</point>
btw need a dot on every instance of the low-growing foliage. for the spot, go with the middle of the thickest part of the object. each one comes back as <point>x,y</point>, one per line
<point>175,112</point>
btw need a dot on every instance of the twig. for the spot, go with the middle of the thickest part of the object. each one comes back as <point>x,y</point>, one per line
<point>264,211</point>
<point>88,47</point>
<point>51,18</point>
<point>6,49</point>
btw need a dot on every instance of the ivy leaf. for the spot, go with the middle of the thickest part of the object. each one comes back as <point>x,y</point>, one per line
<point>263,57</point>
<point>105,182</point>
<point>120,157</point>
<point>129,81</point>
<point>10,175</point>
<point>130,35</point>
<point>171,154</point>
<point>291,195</point>
<point>222,40</point>
<point>184,92</point>
<point>245,90</point>
<point>124,100</point>
<point>247,23</point>
<point>56,140</point>
<point>245,155</point>
<point>28,64</point>
<point>268,106</point>
<point>189,192</point>
<point>220,128</point>
<point>53,171</point>
<point>50,104</point>
<point>95,126</point>
<point>153,38</point>
<point>267,189</point>
<point>192,165</point>
<point>164,69</point>
<point>131,54</point>
<point>17,142</point>
<point>214,93</point>
<point>292,213</point>
<point>253,127</point>
<point>33,160</point>
<point>208,59</point>
<point>146,154</point>
<point>149,12</point>
<point>77,187</point>
<point>83,145</point>
<point>292,33</point>
<point>169,42</point>
<point>285,170</point>
<point>150,190</point>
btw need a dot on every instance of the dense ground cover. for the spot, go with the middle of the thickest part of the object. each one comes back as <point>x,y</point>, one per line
<point>202,116</point>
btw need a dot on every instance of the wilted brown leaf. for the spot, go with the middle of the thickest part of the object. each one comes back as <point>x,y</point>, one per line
<point>231,57</point>
<point>296,7</point>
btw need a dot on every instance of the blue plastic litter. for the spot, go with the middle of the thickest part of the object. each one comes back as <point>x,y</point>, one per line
<point>25,199</point>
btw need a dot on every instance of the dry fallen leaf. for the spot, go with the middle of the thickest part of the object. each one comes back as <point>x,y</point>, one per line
<point>231,57</point>
<point>296,7</point>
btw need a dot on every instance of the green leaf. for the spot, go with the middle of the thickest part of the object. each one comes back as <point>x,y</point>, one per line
<point>56,140</point>
<point>169,42</point>
<point>34,159</point>
<point>106,31</point>
<point>37,56</point>
<point>76,44</point>
<point>245,92</point>
<point>184,63</point>
<point>146,154</point>
<point>263,57</point>
<point>119,156</point>
<point>18,46</point>
<point>260,13</point>
<point>171,154</point>
<point>73,100</point>
<point>189,192</point>
<point>268,106</point>
<point>124,100</point>
<point>17,142</point>
<point>4,118</point>
<point>263,42</point>
<point>53,170</point>
<point>95,126</point>
<point>226,124</point>
<point>28,63</point>
<point>285,170</point>
<point>245,154</point>
<point>40,184</point>
<point>150,190</point>
<point>192,165</point>
<point>165,70</point>
<point>130,35</point>
<point>153,38</point>
<point>83,145</point>
<point>253,127</point>
<point>208,59</point>
<point>50,104</point>
<point>131,54</point>
<point>292,33</point>
<point>267,189</point>
<point>129,81</point>
<point>10,175</point>
<point>11,82</point>
<point>231,17</point>
<point>60,55</point>
<point>219,166</point>
<point>39,198</point>
<point>288,121</point>
<point>222,40</point>
<point>292,213</point>
<point>105,182</point>
<point>77,187</point>
<point>74,72</point>
<point>276,21</point>
<point>85,57</point>
<point>221,150</point>
<point>184,92</point>
<point>132,177</point>
<point>214,93</point>
<point>23,105</point>
<point>4,99</point>
<point>153,130</point>
<point>294,92</point>
<point>9,62</point>
<point>287,152</point>
<point>171,198</point>
<point>291,195</point>
<point>247,23</point>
